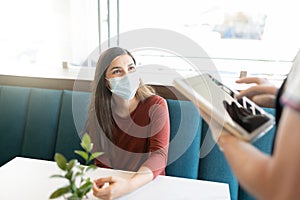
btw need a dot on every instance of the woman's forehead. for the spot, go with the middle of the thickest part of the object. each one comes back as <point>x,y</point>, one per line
<point>121,60</point>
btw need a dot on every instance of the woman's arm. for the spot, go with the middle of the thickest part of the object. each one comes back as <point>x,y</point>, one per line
<point>266,177</point>
<point>159,138</point>
<point>120,186</point>
<point>155,164</point>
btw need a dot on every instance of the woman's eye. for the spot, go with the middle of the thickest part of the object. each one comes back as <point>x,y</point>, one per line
<point>117,71</point>
<point>132,68</point>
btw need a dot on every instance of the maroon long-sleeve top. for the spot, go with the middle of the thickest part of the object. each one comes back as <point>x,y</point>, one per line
<point>141,139</point>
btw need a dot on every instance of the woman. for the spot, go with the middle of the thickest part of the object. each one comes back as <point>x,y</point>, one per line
<point>276,176</point>
<point>128,122</point>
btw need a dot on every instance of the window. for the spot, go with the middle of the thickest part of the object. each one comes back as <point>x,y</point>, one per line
<point>259,36</point>
<point>46,33</point>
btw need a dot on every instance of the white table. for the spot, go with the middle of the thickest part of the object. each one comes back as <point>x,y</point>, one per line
<point>28,179</point>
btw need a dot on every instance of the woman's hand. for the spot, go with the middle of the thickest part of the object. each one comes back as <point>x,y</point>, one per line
<point>117,187</point>
<point>263,93</point>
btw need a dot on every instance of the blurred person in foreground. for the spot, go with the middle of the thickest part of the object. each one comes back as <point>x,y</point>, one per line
<point>276,176</point>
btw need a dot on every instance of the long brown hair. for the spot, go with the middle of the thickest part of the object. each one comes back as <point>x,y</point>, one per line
<point>100,119</point>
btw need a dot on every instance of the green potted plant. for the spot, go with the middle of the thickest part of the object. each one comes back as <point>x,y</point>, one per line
<point>78,185</point>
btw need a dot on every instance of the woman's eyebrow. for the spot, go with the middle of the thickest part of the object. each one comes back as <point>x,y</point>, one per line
<point>130,64</point>
<point>115,67</point>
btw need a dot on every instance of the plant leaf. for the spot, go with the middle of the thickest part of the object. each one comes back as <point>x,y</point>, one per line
<point>69,175</point>
<point>91,147</point>
<point>90,167</point>
<point>83,154</point>
<point>74,189</point>
<point>57,176</point>
<point>77,174</point>
<point>81,168</point>
<point>59,192</point>
<point>61,161</point>
<point>95,155</point>
<point>71,164</point>
<point>86,143</point>
<point>85,188</point>
<point>74,197</point>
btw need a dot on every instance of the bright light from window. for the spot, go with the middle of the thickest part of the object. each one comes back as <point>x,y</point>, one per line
<point>47,32</point>
<point>258,36</point>
<point>254,30</point>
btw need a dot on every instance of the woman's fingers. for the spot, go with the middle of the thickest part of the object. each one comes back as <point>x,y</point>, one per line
<point>256,80</point>
<point>265,100</point>
<point>257,90</point>
<point>263,93</point>
<point>102,183</point>
<point>101,192</point>
<point>105,179</point>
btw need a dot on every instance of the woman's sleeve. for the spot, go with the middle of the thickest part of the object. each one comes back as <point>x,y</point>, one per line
<point>159,137</point>
<point>291,95</point>
<point>103,161</point>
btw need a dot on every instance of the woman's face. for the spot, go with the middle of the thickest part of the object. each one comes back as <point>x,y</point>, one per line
<point>120,66</point>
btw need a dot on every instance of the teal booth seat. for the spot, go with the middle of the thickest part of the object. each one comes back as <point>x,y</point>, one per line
<point>13,113</point>
<point>213,165</point>
<point>184,149</point>
<point>37,123</point>
<point>39,136</point>
<point>74,109</point>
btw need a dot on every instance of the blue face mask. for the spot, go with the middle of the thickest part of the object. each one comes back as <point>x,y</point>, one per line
<point>125,86</point>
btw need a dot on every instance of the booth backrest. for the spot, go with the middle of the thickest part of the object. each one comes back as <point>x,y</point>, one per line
<point>37,123</point>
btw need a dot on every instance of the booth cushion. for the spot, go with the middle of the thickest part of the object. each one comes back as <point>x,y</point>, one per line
<point>41,124</point>
<point>71,123</point>
<point>37,123</point>
<point>13,112</point>
<point>184,139</point>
